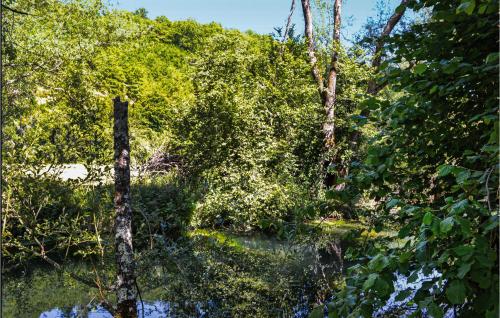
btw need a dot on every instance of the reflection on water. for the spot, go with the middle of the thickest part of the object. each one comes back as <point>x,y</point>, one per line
<point>158,309</point>
<point>76,312</point>
<point>214,274</point>
<point>229,275</point>
<point>162,309</point>
<point>405,308</point>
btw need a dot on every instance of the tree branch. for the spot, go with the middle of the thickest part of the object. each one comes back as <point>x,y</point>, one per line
<point>289,22</point>
<point>313,61</point>
<point>332,74</point>
<point>389,26</point>
<point>373,88</point>
<point>14,10</point>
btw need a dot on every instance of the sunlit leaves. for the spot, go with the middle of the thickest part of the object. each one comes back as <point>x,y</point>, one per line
<point>378,263</point>
<point>370,281</point>
<point>463,270</point>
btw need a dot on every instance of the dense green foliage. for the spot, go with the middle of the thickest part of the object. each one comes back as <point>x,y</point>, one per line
<point>225,133</point>
<point>239,111</point>
<point>435,164</point>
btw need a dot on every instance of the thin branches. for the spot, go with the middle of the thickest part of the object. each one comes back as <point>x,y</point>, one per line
<point>289,22</point>
<point>14,10</point>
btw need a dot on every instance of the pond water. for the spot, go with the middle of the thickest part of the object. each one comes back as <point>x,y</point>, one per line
<point>212,274</point>
<point>209,274</point>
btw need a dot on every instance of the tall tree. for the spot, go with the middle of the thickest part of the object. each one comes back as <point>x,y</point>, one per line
<point>326,87</point>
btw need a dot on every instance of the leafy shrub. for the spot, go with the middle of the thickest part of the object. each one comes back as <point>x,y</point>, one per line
<point>247,200</point>
<point>434,167</point>
<point>162,205</point>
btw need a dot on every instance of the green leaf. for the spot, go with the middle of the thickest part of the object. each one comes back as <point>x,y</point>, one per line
<point>405,231</point>
<point>462,176</point>
<point>317,312</point>
<point>450,68</point>
<point>463,270</point>
<point>383,66</point>
<point>491,314</point>
<point>332,313</point>
<point>459,206</point>
<point>427,218</point>
<point>482,8</point>
<point>465,226</point>
<point>444,170</point>
<point>467,7</point>
<point>382,287</point>
<point>492,58</point>
<point>456,292</point>
<point>378,263</point>
<point>420,69</point>
<point>444,258</point>
<point>413,277</point>
<point>434,310</point>
<point>491,224</point>
<point>370,281</point>
<point>464,250</point>
<point>392,203</point>
<point>483,278</point>
<point>446,225</point>
<point>402,295</point>
<point>401,8</point>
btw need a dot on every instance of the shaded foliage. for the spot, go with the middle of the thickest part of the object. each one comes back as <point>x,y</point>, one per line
<point>434,165</point>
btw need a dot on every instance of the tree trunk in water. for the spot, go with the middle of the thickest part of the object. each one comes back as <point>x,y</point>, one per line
<point>125,292</point>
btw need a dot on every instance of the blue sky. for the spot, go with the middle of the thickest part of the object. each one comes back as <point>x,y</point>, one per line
<point>260,16</point>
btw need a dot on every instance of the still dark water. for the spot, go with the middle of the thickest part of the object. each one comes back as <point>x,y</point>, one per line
<point>226,275</point>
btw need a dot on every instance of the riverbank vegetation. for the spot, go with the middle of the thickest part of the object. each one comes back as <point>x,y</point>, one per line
<point>232,137</point>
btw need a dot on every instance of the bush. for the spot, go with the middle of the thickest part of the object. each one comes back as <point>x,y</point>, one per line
<point>247,201</point>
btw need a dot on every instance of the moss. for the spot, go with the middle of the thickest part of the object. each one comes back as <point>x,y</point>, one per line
<point>220,237</point>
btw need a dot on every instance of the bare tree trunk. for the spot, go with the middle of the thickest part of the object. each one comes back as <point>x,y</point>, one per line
<point>126,293</point>
<point>313,61</point>
<point>289,22</point>
<point>331,88</point>
<point>373,88</point>
<point>327,92</point>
